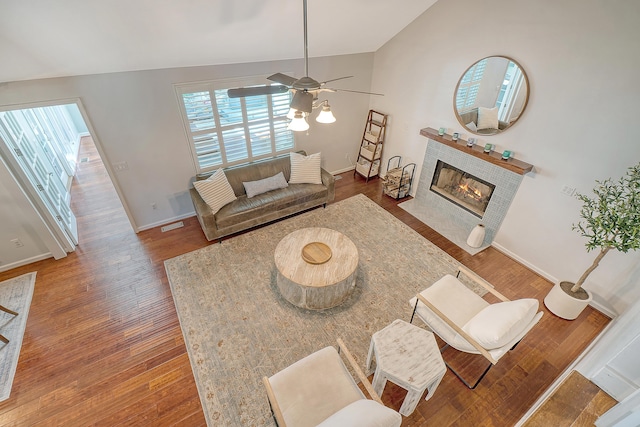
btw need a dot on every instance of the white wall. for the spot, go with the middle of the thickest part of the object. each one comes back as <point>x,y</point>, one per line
<point>135,119</point>
<point>581,58</point>
<point>20,220</point>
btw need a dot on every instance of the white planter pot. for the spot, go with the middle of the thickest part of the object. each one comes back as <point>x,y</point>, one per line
<point>564,305</point>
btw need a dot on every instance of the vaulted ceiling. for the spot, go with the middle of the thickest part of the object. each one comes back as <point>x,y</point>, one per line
<point>44,38</point>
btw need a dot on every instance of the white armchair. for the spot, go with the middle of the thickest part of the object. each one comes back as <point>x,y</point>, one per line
<point>468,323</point>
<point>319,391</point>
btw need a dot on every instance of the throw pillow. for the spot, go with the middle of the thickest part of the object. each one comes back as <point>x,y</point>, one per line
<point>253,188</point>
<point>471,126</point>
<point>498,324</point>
<point>215,190</point>
<point>487,118</point>
<point>305,169</point>
<point>363,412</point>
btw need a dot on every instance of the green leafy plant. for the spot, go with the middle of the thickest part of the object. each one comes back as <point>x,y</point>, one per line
<point>610,218</point>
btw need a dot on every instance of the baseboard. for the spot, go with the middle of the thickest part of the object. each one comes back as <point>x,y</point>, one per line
<point>164,222</point>
<point>339,171</point>
<point>524,262</point>
<point>596,305</point>
<point>20,263</point>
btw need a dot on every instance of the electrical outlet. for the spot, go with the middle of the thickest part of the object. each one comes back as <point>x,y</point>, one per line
<point>568,191</point>
<point>17,243</point>
<point>120,166</point>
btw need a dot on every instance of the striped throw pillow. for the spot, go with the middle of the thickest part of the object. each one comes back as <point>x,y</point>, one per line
<point>215,190</point>
<point>305,169</point>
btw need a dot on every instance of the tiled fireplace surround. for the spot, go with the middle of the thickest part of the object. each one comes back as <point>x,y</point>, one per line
<point>450,220</point>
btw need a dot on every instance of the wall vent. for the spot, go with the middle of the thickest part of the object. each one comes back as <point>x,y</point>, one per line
<point>172,226</point>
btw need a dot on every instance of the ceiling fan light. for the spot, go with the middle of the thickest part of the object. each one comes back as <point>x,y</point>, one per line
<point>291,114</point>
<point>325,116</point>
<point>298,124</point>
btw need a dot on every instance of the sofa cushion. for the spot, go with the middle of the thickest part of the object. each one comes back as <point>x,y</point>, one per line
<point>215,190</point>
<point>246,209</point>
<point>498,324</point>
<point>364,413</point>
<point>305,169</point>
<point>253,188</point>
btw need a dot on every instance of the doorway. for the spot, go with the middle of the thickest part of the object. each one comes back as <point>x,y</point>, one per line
<point>41,145</point>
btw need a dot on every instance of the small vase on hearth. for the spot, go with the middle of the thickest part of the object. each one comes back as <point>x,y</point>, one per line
<point>476,237</point>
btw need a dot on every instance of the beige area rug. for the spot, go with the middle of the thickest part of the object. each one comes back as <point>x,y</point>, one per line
<point>238,328</point>
<point>15,294</point>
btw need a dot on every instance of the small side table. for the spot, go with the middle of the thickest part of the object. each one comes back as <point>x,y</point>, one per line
<point>409,357</point>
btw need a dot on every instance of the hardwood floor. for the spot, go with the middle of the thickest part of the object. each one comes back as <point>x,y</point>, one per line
<point>103,345</point>
<point>577,400</point>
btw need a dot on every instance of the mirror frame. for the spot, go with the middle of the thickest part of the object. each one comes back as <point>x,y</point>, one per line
<point>524,105</point>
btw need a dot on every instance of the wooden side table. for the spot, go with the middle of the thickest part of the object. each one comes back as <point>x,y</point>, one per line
<point>409,357</point>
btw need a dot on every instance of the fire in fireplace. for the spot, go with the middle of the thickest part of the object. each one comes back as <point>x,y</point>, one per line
<point>465,190</point>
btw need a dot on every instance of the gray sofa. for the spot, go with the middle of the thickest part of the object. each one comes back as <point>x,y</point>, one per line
<point>245,213</point>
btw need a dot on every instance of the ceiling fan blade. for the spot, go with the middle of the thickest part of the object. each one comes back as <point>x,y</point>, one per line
<point>241,92</point>
<point>352,91</point>
<point>302,101</point>
<point>282,79</point>
<point>333,80</point>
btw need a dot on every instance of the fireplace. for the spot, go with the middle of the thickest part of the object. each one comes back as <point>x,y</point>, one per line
<point>462,188</point>
<point>454,221</point>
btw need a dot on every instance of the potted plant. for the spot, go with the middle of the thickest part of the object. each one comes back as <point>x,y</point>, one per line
<point>610,219</point>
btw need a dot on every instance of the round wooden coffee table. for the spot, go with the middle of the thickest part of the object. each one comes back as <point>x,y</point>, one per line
<point>316,268</point>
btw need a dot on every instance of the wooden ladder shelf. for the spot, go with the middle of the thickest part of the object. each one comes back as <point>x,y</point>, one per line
<point>368,161</point>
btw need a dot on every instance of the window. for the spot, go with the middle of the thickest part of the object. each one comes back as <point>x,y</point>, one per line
<point>227,131</point>
<point>469,86</point>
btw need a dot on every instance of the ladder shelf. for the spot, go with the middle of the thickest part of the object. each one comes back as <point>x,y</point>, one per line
<point>368,160</point>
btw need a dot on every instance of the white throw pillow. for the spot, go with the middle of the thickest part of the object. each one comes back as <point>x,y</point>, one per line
<point>498,324</point>
<point>215,190</point>
<point>305,169</point>
<point>363,412</point>
<point>253,188</point>
<point>472,126</point>
<point>487,118</point>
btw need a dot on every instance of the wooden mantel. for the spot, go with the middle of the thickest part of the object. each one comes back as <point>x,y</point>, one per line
<point>514,165</point>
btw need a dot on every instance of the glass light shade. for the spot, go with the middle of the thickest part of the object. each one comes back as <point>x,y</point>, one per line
<point>298,124</point>
<point>291,114</point>
<point>325,116</point>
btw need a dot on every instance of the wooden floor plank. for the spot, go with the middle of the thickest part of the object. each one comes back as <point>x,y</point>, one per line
<point>103,344</point>
<point>577,402</point>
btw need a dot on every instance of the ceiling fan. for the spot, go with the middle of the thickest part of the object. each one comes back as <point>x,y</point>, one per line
<point>305,89</point>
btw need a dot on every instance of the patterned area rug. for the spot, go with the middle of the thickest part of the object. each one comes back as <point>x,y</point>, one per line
<point>15,294</point>
<point>238,328</point>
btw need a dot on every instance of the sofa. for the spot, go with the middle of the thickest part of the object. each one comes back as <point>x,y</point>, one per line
<point>247,212</point>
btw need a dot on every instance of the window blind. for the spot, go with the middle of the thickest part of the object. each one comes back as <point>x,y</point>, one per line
<point>227,131</point>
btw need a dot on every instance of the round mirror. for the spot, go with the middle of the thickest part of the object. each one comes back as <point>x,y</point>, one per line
<point>491,95</point>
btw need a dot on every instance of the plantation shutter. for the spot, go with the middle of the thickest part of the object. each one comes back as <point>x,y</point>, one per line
<point>227,131</point>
